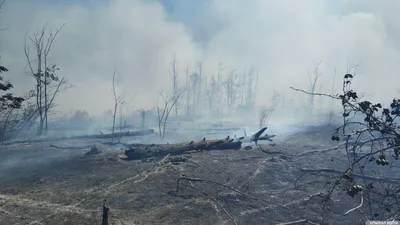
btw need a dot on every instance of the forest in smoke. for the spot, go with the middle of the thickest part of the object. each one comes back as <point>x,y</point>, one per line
<point>199,111</point>
<point>276,43</point>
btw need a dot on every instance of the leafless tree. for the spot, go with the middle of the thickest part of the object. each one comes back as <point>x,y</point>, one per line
<point>163,113</point>
<point>118,98</point>
<point>48,84</point>
<point>188,92</point>
<point>211,92</point>
<point>249,86</point>
<point>219,93</point>
<point>353,68</point>
<point>232,85</point>
<point>175,84</point>
<point>195,91</point>
<point>264,116</point>
<point>313,79</point>
<point>200,96</point>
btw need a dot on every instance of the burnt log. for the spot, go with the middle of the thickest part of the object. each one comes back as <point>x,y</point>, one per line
<point>81,137</point>
<point>162,150</point>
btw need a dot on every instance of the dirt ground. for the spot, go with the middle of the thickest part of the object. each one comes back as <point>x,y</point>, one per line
<point>62,186</point>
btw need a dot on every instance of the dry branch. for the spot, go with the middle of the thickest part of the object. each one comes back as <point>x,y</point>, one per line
<point>216,201</point>
<point>262,201</point>
<point>162,150</point>
<point>302,221</point>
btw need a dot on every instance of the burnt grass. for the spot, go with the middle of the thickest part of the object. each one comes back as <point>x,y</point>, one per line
<point>61,186</point>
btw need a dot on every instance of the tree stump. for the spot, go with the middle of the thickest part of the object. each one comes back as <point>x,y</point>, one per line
<point>106,214</point>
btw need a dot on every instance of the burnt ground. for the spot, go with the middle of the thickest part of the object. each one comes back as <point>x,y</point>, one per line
<point>61,186</point>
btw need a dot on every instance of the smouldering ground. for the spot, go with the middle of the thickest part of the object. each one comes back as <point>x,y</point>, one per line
<point>68,187</point>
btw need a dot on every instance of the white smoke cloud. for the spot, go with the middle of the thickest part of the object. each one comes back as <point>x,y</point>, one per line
<point>282,39</point>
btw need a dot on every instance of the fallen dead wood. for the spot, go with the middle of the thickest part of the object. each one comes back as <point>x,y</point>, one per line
<point>80,137</point>
<point>216,201</point>
<point>162,150</point>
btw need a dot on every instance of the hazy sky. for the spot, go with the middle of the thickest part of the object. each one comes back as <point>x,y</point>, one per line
<point>281,38</point>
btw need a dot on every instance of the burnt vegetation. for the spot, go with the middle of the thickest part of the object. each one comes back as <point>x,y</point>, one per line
<point>206,178</point>
<point>371,137</point>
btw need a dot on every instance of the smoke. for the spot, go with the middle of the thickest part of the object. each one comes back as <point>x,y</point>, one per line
<point>282,39</point>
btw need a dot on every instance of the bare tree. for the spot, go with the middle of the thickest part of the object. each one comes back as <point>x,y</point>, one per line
<point>188,92</point>
<point>219,93</point>
<point>232,85</point>
<point>264,116</point>
<point>175,84</point>
<point>250,87</point>
<point>200,96</point>
<point>195,92</point>
<point>143,114</point>
<point>313,79</point>
<point>266,113</point>
<point>211,92</point>
<point>164,113</point>
<point>48,84</point>
<point>118,99</point>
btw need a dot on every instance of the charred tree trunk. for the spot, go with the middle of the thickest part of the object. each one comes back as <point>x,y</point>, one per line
<point>106,214</point>
<point>178,149</point>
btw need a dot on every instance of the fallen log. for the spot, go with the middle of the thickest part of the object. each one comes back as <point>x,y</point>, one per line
<point>162,150</point>
<point>80,137</point>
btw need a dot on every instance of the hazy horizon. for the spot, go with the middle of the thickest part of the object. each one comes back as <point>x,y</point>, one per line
<point>281,39</point>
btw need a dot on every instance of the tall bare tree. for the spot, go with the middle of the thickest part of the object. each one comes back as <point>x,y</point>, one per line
<point>163,113</point>
<point>211,92</point>
<point>118,98</point>
<point>195,92</point>
<point>48,84</point>
<point>175,84</point>
<point>188,92</point>
<point>232,85</point>
<point>313,79</point>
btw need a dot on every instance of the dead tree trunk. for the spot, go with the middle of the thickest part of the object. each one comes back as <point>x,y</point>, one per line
<point>177,149</point>
<point>106,214</point>
<point>188,92</point>
<point>175,84</point>
<point>118,99</point>
<point>313,83</point>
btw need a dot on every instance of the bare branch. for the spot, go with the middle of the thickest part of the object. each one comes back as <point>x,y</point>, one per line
<point>319,94</point>
<point>357,207</point>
